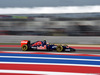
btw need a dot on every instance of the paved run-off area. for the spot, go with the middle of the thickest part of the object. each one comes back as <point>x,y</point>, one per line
<point>84,61</point>
<point>44,63</point>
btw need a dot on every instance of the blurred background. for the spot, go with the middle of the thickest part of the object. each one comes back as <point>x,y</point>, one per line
<point>84,24</point>
<point>50,18</point>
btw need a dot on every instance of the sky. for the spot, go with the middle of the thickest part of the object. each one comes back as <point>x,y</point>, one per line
<point>49,6</point>
<point>46,3</point>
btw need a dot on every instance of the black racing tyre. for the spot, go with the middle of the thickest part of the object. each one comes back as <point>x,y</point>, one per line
<point>24,48</point>
<point>59,48</point>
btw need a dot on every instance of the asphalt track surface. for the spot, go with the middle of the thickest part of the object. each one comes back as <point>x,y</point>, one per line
<point>77,51</point>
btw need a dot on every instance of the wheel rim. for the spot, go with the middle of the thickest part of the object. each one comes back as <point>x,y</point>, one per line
<point>24,47</point>
<point>59,48</point>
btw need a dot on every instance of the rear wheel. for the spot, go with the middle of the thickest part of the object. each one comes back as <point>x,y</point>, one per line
<point>24,48</point>
<point>59,48</point>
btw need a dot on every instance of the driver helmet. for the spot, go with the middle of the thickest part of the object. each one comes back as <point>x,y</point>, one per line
<point>44,41</point>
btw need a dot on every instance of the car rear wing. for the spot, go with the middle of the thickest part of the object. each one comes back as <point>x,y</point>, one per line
<point>24,42</point>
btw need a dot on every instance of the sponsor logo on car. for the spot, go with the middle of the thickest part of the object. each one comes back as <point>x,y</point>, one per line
<point>42,47</point>
<point>23,41</point>
<point>54,46</point>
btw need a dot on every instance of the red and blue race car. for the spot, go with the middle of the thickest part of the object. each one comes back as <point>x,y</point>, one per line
<point>43,45</point>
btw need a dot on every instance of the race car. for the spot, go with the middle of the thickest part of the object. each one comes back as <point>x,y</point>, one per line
<point>43,45</point>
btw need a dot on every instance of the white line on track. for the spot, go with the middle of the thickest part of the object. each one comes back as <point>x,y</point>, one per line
<point>50,58</point>
<point>1,62</point>
<point>42,72</point>
<point>47,52</point>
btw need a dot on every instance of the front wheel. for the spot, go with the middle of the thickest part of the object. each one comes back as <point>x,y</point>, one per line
<point>59,48</point>
<point>24,48</point>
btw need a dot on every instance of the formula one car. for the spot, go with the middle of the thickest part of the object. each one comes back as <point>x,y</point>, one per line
<point>43,45</point>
